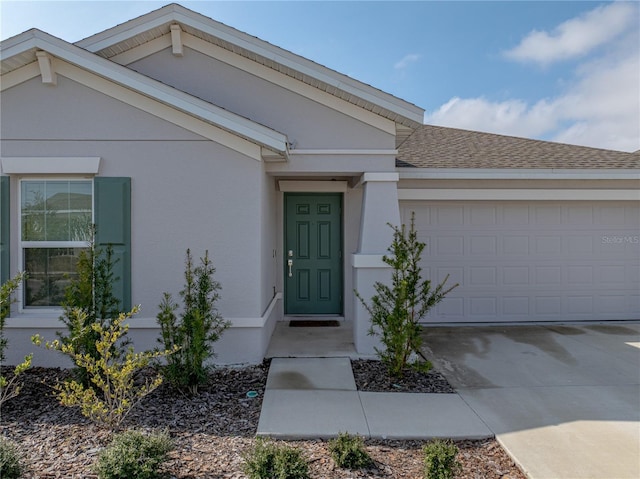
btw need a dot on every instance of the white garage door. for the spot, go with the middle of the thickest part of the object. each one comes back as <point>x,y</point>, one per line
<point>532,261</point>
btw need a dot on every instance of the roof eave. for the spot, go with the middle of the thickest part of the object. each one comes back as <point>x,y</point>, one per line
<point>37,40</point>
<point>405,113</point>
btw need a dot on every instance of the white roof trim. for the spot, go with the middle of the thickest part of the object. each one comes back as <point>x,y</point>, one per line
<point>176,13</point>
<point>36,39</point>
<point>517,174</point>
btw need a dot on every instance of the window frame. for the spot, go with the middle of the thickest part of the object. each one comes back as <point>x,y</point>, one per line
<point>22,245</point>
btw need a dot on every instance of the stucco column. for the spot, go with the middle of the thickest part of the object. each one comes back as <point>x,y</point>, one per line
<point>379,208</point>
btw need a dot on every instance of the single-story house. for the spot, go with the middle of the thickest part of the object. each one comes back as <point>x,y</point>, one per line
<point>173,131</point>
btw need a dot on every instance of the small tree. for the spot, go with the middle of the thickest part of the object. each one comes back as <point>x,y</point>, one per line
<point>10,388</point>
<point>112,391</point>
<point>396,310</point>
<point>92,293</point>
<point>199,326</point>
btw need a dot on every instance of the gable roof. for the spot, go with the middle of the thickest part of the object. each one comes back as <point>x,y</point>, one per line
<point>441,147</point>
<point>21,50</point>
<point>155,24</point>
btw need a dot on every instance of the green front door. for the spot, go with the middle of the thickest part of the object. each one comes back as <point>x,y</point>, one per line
<point>313,253</point>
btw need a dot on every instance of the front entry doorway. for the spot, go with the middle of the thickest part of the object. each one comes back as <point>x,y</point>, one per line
<point>313,253</point>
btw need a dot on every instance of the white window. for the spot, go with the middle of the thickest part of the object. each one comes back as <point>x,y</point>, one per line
<point>55,226</point>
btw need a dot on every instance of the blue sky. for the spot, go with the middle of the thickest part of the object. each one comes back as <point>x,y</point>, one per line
<point>561,71</point>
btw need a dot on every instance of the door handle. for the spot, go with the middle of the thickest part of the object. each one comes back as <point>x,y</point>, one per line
<point>290,264</point>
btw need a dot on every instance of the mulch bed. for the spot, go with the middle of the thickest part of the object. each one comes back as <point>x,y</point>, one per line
<point>213,430</point>
<point>372,376</point>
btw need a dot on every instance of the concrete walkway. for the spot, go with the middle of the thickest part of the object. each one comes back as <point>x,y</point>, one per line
<point>317,398</point>
<point>564,401</point>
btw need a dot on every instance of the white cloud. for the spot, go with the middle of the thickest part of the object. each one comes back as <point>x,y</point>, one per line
<point>576,37</point>
<point>599,107</point>
<point>406,61</point>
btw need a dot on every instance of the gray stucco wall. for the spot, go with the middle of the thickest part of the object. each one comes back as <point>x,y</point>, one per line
<point>187,192</point>
<point>306,123</point>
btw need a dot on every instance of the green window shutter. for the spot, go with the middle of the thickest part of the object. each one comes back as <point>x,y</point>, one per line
<point>112,210</point>
<point>4,228</point>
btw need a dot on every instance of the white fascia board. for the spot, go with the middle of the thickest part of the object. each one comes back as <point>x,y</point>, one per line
<point>21,75</point>
<point>344,152</point>
<point>128,29</point>
<point>224,119</point>
<point>18,44</point>
<point>176,13</point>
<point>517,174</point>
<point>521,194</point>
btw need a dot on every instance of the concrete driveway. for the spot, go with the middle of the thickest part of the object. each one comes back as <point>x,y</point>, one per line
<point>563,400</point>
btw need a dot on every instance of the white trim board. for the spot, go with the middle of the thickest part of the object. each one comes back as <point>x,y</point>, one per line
<point>518,194</point>
<point>518,174</point>
<point>50,165</point>
<point>301,186</point>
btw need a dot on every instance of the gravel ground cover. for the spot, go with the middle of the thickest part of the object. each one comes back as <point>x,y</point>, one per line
<point>213,430</point>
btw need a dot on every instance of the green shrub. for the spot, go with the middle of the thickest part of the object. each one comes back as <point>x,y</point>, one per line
<point>348,452</point>
<point>199,326</point>
<point>112,392</point>
<point>91,291</point>
<point>10,467</point>
<point>133,455</point>
<point>267,460</point>
<point>10,387</point>
<point>440,460</point>
<point>396,310</point>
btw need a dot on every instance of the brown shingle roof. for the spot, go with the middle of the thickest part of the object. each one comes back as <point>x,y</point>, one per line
<point>440,147</point>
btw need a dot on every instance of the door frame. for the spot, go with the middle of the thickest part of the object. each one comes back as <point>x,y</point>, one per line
<point>341,196</point>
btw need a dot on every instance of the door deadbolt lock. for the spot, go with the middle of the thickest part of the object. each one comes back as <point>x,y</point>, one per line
<point>290,264</point>
<point>290,253</point>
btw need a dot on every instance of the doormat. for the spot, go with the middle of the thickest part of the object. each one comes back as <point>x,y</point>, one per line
<point>303,323</point>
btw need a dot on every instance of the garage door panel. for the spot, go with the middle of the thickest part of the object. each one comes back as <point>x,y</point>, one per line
<point>515,245</point>
<point>483,215</point>
<point>515,214</point>
<point>514,307</point>
<point>579,216</point>
<point>452,308</point>
<point>578,245</point>
<point>483,275</point>
<point>579,275</point>
<point>549,215</point>
<point>450,245</point>
<point>527,261</point>
<point>580,304</point>
<point>450,215</point>
<point>548,245</point>
<point>483,245</point>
